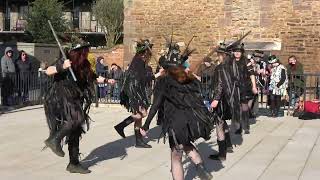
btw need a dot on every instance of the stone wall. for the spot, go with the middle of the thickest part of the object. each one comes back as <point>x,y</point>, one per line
<point>114,55</point>
<point>294,23</point>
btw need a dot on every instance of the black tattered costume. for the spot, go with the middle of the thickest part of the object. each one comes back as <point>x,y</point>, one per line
<point>66,106</point>
<point>133,95</point>
<point>185,117</point>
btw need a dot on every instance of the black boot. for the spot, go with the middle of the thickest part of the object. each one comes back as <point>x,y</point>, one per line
<point>203,173</point>
<point>222,155</point>
<point>74,165</point>
<point>54,141</point>
<point>120,127</point>
<point>77,168</point>
<point>228,142</point>
<point>245,122</point>
<point>139,141</point>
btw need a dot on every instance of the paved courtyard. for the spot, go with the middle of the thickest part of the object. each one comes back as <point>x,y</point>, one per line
<point>277,149</point>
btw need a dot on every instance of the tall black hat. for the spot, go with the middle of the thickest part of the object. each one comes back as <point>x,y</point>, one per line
<point>238,47</point>
<point>222,48</point>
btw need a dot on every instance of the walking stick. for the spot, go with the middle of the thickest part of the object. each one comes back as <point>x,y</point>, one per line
<point>61,49</point>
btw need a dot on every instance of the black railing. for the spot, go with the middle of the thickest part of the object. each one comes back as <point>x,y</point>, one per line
<point>302,87</point>
<point>30,88</point>
<point>23,88</point>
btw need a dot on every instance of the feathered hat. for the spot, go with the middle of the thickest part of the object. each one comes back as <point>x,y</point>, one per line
<point>222,48</point>
<point>143,45</point>
<point>273,59</point>
<point>77,42</point>
<point>173,56</point>
<point>237,45</point>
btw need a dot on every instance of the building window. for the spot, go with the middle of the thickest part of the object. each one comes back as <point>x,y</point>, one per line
<point>23,12</point>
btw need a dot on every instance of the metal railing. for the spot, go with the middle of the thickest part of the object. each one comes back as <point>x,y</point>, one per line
<point>303,87</point>
<point>30,88</point>
<point>23,88</point>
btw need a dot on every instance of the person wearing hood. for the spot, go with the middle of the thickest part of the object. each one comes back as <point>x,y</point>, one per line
<point>7,66</point>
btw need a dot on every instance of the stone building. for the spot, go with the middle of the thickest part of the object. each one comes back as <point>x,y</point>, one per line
<point>282,27</point>
<point>13,22</point>
<point>78,14</point>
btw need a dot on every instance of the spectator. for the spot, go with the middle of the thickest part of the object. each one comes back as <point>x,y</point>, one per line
<point>116,74</point>
<point>7,66</point>
<point>296,80</point>
<point>23,68</point>
<point>102,70</point>
<point>278,84</point>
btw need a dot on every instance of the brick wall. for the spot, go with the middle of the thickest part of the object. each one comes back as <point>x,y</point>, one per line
<point>114,55</point>
<point>295,23</point>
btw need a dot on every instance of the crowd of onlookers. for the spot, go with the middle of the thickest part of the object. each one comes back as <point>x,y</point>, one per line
<point>269,72</point>
<point>19,67</point>
<point>17,73</point>
<point>112,92</point>
<point>282,84</point>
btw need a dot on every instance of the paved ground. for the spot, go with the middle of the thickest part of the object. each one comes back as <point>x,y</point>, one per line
<point>277,149</point>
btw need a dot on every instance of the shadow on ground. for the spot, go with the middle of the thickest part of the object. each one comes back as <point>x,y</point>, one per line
<point>116,149</point>
<point>17,108</point>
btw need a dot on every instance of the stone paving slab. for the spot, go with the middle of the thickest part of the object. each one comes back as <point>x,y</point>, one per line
<point>283,148</point>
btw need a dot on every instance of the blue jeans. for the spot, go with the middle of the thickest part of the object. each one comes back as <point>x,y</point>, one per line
<point>294,99</point>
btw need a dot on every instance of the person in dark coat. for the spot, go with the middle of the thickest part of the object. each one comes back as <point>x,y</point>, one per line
<point>102,70</point>
<point>23,68</point>
<point>8,74</point>
<point>296,80</point>
<point>133,95</point>
<point>186,118</point>
<point>67,103</point>
<point>241,87</point>
<point>116,74</point>
<point>221,106</point>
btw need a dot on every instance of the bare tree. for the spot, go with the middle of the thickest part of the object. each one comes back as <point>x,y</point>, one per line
<point>109,14</point>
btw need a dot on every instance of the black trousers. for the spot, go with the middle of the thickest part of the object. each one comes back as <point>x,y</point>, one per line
<point>275,103</point>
